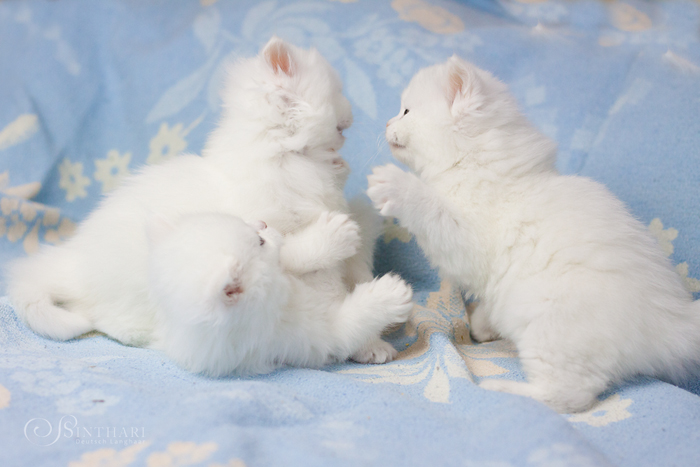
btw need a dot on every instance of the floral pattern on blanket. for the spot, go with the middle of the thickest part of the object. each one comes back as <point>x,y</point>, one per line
<point>434,362</point>
<point>85,104</point>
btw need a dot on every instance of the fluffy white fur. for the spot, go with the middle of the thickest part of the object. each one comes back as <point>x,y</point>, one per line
<point>558,263</point>
<point>273,157</point>
<point>225,305</point>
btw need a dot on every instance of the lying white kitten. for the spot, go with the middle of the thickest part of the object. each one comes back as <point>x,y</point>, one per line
<point>226,306</point>
<point>273,157</point>
<point>558,263</point>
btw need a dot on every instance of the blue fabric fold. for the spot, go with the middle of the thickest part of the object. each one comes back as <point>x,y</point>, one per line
<point>615,84</point>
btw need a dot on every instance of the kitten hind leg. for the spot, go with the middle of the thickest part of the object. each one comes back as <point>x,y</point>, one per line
<point>359,269</point>
<point>563,390</point>
<point>480,327</point>
<point>365,313</point>
<point>375,351</point>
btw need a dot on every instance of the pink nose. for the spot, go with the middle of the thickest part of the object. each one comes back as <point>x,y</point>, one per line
<point>387,124</point>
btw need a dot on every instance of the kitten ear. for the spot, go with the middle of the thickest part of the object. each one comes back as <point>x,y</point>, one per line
<point>259,225</point>
<point>232,291</point>
<point>279,57</point>
<point>158,227</point>
<point>463,89</point>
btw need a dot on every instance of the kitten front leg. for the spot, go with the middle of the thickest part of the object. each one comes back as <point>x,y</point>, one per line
<point>333,238</point>
<point>446,237</point>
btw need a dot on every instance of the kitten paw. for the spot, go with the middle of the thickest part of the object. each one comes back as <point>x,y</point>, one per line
<point>563,401</point>
<point>341,233</point>
<point>394,297</point>
<point>480,329</point>
<point>376,351</point>
<point>386,188</point>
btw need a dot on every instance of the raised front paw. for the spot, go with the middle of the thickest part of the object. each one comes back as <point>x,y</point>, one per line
<point>387,187</point>
<point>340,233</point>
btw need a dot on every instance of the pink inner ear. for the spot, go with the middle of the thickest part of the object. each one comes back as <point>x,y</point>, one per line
<point>463,89</point>
<point>279,58</point>
<point>456,82</point>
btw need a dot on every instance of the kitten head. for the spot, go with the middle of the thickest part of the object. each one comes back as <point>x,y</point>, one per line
<point>454,112</point>
<point>289,96</point>
<point>212,267</point>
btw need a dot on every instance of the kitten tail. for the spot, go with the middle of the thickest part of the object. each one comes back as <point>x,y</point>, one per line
<point>35,283</point>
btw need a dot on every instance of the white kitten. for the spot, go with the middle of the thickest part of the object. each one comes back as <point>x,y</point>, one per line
<point>226,306</point>
<point>558,263</point>
<point>274,157</point>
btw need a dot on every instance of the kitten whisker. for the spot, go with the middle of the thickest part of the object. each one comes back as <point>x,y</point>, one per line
<point>380,143</point>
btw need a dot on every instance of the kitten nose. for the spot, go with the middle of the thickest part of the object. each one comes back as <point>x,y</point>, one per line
<point>387,124</point>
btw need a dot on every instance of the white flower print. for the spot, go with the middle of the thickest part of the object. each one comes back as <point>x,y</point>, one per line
<point>112,169</point>
<point>5,397</point>
<point>73,180</point>
<point>182,453</point>
<point>665,238</point>
<point>613,409</point>
<point>108,457</point>
<point>19,130</point>
<point>168,143</point>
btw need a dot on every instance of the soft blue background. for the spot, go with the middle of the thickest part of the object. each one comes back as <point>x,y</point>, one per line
<point>616,84</point>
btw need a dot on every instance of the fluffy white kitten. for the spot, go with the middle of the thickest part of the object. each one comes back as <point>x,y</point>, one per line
<point>272,157</point>
<point>225,305</point>
<point>558,264</point>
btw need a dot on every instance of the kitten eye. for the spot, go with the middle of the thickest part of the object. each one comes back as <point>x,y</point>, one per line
<point>405,112</point>
<point>262,240</point>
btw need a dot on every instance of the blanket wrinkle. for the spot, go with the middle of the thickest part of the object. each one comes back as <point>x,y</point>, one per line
<point>597,77</point>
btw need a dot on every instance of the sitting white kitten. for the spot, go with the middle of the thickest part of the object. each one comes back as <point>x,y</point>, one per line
<point>274,157</point>
<point>226,306</point>
<point>558,263</point>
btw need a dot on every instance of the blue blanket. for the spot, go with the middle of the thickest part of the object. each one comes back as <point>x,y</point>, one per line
<point>90,91</point>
